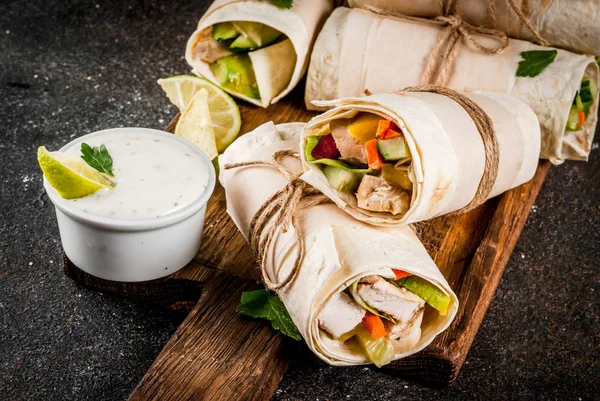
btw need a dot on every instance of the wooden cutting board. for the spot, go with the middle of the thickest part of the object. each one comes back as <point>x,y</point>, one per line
<point>218,355</point>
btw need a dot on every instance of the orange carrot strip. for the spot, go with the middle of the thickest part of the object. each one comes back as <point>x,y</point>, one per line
<point>382,128</point>
<point>374,325</point>
<point>392,133</point>
<point>400,274</point>
<point>581,115</point>
<point>374,159</point>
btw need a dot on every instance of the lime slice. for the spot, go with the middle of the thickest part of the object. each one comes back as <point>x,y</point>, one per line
<point>195,124</point>
<point>70,175</point>
<point>224,112</point>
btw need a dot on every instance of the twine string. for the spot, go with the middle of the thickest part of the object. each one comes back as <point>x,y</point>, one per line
<point>485,127</point>
<point>455,30</point>
<point>279,213</point>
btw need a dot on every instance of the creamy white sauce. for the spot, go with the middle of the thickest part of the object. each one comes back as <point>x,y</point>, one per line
<point>155,176</point>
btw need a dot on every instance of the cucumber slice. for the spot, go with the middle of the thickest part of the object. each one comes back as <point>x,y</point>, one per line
<point>224,31</point>
<point>235,73</point>
<point>380,351</point>
<point>342,180</point>
<point>393,149</point>
<point>427,291</point>
<point>573,120</point>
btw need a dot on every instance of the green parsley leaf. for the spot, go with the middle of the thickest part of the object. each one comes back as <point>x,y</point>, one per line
<point>264,305</point>
<point>282,3</point>
<point>98,158</point>
<point>534,62</point>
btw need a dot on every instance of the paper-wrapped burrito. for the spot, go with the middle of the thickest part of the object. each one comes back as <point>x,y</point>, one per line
<point>358,50</point>
<point>573,25</point>
<point>253,49</point>
<point>400,158</point>
<point>362,294</point>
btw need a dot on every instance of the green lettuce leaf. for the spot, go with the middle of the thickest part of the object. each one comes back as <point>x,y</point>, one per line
<point>262,304</point>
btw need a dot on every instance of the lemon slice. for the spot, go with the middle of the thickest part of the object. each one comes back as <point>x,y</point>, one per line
<point>224,112</point>
<point>195,124</point>
<point>71,176</point>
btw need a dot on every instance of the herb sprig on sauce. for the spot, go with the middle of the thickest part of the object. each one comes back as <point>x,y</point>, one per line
<point>98,158</point>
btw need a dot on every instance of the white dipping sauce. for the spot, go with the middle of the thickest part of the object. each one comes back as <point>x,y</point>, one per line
<point>155,176</point>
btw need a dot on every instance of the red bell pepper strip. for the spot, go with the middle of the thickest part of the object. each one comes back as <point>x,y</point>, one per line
<point>326,149</point>
<point>400,274</point>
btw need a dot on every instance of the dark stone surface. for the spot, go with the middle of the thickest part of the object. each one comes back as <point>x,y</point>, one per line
<point>72,67</point>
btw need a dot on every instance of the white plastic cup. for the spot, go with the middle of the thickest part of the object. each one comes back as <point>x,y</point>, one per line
<point>133,250</point>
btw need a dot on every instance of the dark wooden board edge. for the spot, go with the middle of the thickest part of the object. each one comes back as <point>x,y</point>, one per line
<point>198,364</point>
<point>440,363</point>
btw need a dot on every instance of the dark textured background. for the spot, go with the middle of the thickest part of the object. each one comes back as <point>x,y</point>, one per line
<point>69,68</point>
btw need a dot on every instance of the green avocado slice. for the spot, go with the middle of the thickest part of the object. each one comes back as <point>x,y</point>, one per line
<point>243,43</point>
<point>224,31</point>
<point>260,35</point>
<point>235,73</point>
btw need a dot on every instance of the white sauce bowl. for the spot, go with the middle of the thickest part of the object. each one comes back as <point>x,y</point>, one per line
<point>133,250</point>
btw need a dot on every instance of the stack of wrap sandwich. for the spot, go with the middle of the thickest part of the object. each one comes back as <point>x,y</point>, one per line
<point>429,160</point>
<point>572,25</point>
<point>254,49</point>
<point>359,51</point>
<point>351,271</point>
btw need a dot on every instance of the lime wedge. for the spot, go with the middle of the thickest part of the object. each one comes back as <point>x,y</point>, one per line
<point>70,175</point>
<point>195,124</point>
<point>224,112</point>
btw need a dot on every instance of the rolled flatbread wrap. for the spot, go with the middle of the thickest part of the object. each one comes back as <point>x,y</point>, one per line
<point>255,50</point>
<point>349,269</point>
<point>358,50</point>
<point>571,25</point>
<point>427,161</point>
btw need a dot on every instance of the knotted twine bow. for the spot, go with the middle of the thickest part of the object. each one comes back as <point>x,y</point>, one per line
<point>442,56</point>
<point>280,212</point>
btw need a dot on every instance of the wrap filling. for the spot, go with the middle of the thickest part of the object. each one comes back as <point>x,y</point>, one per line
<point>226,48</point>
<point>383,316</point>
<point>367,156</point>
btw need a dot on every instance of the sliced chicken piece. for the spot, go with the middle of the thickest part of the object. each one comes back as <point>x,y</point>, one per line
<point>410,338</point>
<point>350,149</point>
<point>377,195</point>
<point>391,300</point>
<point>340,315</point>
<point>405,329</point>
<point>369,280</point>
<point>207,49</point>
